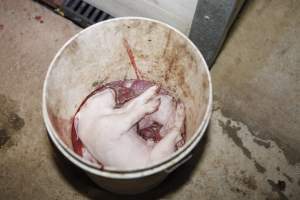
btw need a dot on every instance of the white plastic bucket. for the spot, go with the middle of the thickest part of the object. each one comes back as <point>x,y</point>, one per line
<point>98,55</point>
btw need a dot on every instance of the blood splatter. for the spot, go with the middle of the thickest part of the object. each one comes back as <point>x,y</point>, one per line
<point>39,18</point>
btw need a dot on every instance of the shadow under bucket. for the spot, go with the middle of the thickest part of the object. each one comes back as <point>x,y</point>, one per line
<point>109,51</point>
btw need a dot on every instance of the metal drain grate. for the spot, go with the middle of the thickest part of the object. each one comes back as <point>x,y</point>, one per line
<point>83,13</point>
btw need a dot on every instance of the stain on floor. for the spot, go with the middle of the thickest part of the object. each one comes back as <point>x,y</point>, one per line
<point>290,179</point>
<point>232,132</point>
<point>238,190</point>
<point>262,143</point>
<point>250,182</point>
<point>262,89</point>
<point>4,137</point>
<point>10,121</point>
<point>278,187</point>
<point>259,167</point>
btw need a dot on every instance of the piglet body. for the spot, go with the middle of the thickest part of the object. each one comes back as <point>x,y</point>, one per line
<point>110,132</point>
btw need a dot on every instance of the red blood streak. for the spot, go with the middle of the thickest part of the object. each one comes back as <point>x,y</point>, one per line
<point>132,59</point>
<point>76,142</point>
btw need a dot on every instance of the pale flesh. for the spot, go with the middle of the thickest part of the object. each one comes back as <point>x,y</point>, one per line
<point>110,133</point>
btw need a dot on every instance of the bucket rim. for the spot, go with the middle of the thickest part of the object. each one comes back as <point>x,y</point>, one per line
<point>175,158</point>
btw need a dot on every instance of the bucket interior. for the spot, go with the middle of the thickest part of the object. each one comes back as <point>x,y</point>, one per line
<point>100,54</point>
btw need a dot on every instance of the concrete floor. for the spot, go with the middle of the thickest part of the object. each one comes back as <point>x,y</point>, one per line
<point>251,149</point>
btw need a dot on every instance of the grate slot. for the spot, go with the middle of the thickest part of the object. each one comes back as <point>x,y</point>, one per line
<point>74,4</point>
<point>98,17</point>
<point>102,17</point>
<point>78,5</point>
<point>84,8</point>
<point>107,17</point>
<point>87,12</point>
<point>94,15</point>
<point>91,12</point>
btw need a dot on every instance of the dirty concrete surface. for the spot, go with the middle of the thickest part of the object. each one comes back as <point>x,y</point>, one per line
<point>251,149</point>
